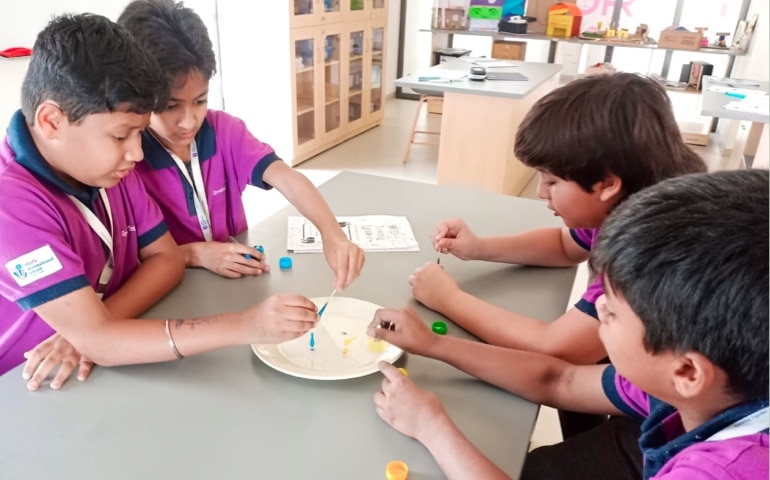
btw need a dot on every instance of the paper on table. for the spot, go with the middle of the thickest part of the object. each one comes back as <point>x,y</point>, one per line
<point>492,63</point>
<point>441,74</point>
<point>373,233</point>
<point>757,105</point>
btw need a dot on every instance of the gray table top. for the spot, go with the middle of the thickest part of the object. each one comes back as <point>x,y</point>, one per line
<point>536,73</point>
<point>225,414</point>
<point>714,102</point>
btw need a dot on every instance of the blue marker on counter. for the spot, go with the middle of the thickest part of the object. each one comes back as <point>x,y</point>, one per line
<point>312,341</point>
<point>735,94</point>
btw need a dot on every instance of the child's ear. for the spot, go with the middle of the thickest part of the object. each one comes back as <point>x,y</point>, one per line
<point>693,374</point>
<point>48,119</point>
<point>610,188</point>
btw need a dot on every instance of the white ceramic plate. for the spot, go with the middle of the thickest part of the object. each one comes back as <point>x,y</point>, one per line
<point>342,348</point>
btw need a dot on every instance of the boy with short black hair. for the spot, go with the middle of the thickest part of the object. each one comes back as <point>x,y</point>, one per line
<point>199,161</point>
<point>684,320</point>
<point>84,247</point>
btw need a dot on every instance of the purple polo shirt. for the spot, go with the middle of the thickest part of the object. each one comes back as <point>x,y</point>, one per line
<point>586,238</point>
<point>47,249</point>
<point>230,158</point>
<point>671,453</point>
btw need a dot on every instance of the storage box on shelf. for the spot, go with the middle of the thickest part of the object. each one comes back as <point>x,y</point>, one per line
<point>680,40</point>
<point>330,87</point>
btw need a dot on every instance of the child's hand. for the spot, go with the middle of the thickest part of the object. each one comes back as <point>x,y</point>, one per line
<point>405,407</point>
<point>403,328</point>
<point>431,286</point>
<point>280,318</point>
<point>453,236</point>
<point>346,259</point>
<point>227,259</point>
<point>50,353</point>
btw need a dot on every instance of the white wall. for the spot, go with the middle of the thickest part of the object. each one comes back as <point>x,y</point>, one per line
<point>22,29</point>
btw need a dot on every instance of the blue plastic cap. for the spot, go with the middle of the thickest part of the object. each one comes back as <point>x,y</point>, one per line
<point>260,248</point>
<point>284,262</point>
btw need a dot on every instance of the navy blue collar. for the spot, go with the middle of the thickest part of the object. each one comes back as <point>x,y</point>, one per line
<point>28,156</point>
<point>659,444</point>
<point>157,157</point>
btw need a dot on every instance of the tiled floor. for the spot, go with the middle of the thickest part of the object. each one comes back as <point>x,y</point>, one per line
<point>379,152</point>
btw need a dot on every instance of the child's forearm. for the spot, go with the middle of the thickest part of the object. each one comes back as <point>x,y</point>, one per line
<point>530,375</point>
<point>456,455</point>
<point>152,280</point>
<point>572,337</point>
<point>546,247</point>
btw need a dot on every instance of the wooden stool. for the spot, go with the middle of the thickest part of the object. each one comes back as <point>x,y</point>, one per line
<point>424,98</point>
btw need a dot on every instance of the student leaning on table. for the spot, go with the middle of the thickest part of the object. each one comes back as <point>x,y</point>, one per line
<point>593,142</point>
<point>199,161</point>
<point>684,320</point>
<point>84,247</point>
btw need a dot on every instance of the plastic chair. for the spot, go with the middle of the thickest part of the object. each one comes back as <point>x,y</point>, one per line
<point>425,96</point>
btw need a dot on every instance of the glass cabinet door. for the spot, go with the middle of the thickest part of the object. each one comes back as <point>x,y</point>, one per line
<point>306,13</point>
<point>304,77</point>
<point>379,8</point>
<point>303,12</point>
<point>332,83</point>
<point>375,81</point>
<point>355,74</point>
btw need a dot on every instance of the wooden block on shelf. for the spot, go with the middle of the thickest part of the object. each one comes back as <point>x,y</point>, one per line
<point>509,50</point>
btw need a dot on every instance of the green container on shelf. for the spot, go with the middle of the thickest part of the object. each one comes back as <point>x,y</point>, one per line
<point>485,13</point>
<point>356,4</point>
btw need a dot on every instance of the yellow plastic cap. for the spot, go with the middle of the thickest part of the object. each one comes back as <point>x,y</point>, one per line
<point>396,470</point>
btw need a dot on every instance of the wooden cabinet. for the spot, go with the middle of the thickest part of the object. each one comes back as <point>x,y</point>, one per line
<point>325,88</point>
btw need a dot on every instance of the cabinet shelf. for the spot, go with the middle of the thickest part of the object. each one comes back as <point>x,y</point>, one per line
<point>317,56</point>
<point>304,105</point>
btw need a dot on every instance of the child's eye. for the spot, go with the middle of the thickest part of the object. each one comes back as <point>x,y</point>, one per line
<point>120,139</point>
<point>202,101</point>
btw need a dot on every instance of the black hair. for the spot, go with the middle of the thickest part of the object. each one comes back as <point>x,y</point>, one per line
<point>690,257</point>
<point>88,64</point>
<point>174,34</point>
<point>621,124</point>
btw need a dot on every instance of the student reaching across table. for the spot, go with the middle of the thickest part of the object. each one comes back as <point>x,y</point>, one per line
<point>199,161</point>
<point>85,249</point>
<point>684,320</point>
<point>593,142</point>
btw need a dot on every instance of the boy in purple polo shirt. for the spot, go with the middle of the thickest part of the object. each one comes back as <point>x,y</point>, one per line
<point>684,320</point>
<point>84,248</point>
<point>593,142</point>
<point>198,161</point>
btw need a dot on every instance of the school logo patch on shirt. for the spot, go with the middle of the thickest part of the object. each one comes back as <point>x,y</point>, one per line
<point>34,265</point>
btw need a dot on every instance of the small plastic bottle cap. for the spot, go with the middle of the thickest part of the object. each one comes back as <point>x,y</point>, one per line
<point>260,248</point>
<point>284,262</point>
<point>396,470</point>
<point>403,371</point>
<point>439,327</point>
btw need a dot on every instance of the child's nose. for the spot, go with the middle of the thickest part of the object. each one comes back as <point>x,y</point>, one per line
<point>188,119</point>
<point>134,152</point>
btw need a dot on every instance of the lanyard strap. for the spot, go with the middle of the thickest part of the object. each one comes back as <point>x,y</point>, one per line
<point>199,189</point>
<point>752,423</point>
<point>105,235</point>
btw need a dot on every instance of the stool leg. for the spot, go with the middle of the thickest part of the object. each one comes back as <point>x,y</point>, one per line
<point>423,98</point>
